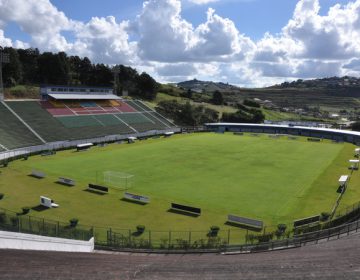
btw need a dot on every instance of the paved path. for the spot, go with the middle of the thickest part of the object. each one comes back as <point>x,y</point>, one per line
<point>331,260</point>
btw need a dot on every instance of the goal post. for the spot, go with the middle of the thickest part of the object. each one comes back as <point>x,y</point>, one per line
<point>117,180</point>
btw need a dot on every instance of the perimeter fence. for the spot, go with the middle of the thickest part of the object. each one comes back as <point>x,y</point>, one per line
<point>20,222</point>
<point>8,156</point>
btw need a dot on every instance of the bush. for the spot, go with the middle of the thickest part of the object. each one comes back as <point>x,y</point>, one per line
<point>251,103</point>
<point>25,210</point>
<point>324,216</point>
<point>2,217</point>
<point>214,230</point>
<point>265,237</point>
<point>74,222</point>
<point>140,228</point>
<point>1,196</point>
<point>14,221</point>
<point>281,228</point>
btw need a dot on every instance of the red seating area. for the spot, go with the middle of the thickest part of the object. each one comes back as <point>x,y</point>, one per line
<point>125,108</point>
<point>69,108</point>
<point>60,112</point>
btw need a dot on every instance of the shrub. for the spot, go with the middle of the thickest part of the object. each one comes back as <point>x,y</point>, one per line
<point>25,210</point>
<point>74,222</point>
<point>281,228</point>
<point>2,217</point>
<point>14,221</point>
<point>324,216</point>
<point>140,228</point>
<point>214,230</point>
<point>251,103</point>
<point>265,237</point>
<point>1,196</point>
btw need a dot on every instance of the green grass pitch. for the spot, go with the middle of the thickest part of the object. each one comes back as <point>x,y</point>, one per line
<point>274,180</point>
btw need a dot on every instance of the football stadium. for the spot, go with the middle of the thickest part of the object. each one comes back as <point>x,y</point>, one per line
<point>82,162</point>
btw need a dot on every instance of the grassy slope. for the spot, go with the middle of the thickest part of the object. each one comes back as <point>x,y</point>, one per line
<point>222,174</point>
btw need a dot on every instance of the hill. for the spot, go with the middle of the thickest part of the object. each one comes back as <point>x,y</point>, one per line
<point>345,82</point>
<point>205,86</point>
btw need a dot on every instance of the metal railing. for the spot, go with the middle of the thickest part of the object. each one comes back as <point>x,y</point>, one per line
<point>62,145</point>
<point>19,222</point>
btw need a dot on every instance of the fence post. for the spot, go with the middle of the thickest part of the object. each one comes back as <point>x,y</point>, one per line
<point>189,237</point>
<point>169,239</point>
<point>150,238</point>
<point>30,227</point>
<point>109,237</point>
<point>130,238</point>
<point>228,242</point>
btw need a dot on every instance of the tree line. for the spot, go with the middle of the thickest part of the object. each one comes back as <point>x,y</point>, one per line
<point>31,67</point>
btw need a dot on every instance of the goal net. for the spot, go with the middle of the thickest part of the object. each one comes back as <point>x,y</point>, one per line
<point>118,180</point>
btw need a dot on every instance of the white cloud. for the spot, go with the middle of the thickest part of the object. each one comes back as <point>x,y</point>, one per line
<point>202,2</point>
<point>166,37</point>
<point>105,40</point>
<point>177,69</point>
<point>160,41</point>
<point>5,42</point>
<point>40,19</point>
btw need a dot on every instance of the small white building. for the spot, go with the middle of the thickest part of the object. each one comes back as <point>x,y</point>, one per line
<point>343,180</point>
<point>354,164</point>
<point>48,202</point>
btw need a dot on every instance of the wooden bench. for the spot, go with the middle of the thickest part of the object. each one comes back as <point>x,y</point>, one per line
<point>38,174</point>
<point>242,221</point>
<point>306,221</point>
<point>98,188</point>
<point>136,198</point>
<point>66,181</point>
<point>186,209</point>
<point>314,139</point>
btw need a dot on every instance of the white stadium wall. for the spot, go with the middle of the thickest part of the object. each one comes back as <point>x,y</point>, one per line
<point>22,241</point>
<point>326,133</point>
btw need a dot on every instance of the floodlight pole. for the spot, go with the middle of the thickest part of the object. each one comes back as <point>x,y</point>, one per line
<point>116,71</point>
<point>4,58</point>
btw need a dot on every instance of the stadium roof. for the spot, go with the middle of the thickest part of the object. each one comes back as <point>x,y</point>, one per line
<point>320,129</point>
<point>84,96</point>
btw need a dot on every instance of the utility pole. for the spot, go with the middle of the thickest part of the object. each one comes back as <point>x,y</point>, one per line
<point>116,71</point>
<point>4,58</point>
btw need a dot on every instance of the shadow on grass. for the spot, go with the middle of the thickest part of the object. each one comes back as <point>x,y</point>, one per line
<point>37,177</point>
<point>94,192</point>
<point>133,201</point>
<point>243,226</point>
<point>136,233</point>
<point>63,184</point>
<point>39,208</point>
<point>183,213</point>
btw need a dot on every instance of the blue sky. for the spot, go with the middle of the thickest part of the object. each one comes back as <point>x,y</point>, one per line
<point>244,42</point>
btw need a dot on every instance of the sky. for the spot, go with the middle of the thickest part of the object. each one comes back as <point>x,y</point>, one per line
<point>250,43</point>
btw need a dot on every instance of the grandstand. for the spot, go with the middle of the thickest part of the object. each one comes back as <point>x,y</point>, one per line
<point>73,113</point>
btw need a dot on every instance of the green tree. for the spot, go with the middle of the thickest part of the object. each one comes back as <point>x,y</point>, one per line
<point>29,61</point>
<point>189,93</point>
<point>147,86</point>
<point>12,72</point>
<point>217,98</point>
<point>356,126</point>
